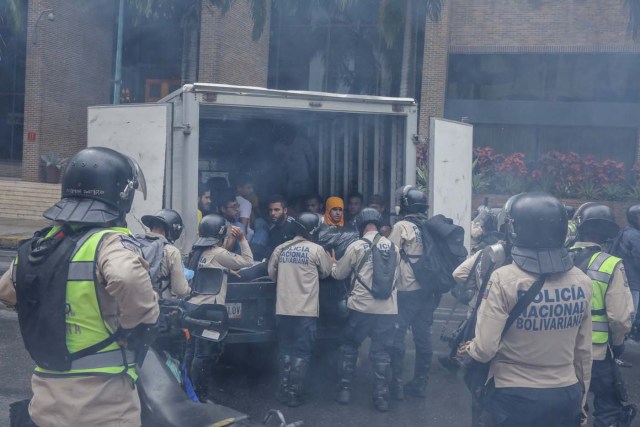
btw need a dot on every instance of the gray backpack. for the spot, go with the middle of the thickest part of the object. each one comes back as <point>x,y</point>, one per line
<point>153,252</point>
<point>384,269</point>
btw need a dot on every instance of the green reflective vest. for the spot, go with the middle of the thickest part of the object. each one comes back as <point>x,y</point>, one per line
<point>85,324</point>
<point>600,271</point>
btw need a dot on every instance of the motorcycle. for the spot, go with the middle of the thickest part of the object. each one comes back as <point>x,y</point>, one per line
<point>164,400</point>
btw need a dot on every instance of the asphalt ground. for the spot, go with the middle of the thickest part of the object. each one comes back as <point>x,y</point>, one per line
<point>246,380</point>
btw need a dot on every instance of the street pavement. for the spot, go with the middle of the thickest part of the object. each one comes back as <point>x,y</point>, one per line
<point>246,381</point>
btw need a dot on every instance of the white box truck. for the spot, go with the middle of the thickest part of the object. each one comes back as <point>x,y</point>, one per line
<point>343,143</point>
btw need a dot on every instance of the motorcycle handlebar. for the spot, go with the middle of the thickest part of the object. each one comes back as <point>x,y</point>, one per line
<point>207,324</point>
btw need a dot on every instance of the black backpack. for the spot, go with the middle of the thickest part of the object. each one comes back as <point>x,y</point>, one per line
<point>443,251</point>
<point>41,289</point>
<point>384,269</point>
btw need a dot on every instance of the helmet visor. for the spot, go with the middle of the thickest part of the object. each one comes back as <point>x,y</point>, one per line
<point>139,182</point>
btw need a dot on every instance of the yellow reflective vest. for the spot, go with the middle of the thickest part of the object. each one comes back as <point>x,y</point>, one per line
<point>85,324</point>
<point>600,271</point>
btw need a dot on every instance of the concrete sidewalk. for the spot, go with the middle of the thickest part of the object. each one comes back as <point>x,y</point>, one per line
<point>12,230</point>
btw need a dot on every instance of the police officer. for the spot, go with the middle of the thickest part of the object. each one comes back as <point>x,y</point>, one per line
<point>470,276</point>
<point>415,305</point>
<point>368,316</point>
<point>542,362</point>
<point>629,251</point>
<point>208,252</point>
<point>475,268</point>
<point>611,309</point>
<point>296,267</point>
<point>94,269</point>
<point>166,270</point>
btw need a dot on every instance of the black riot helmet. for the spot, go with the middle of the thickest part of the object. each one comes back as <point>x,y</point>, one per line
<point>536,226</point>
<point>581,208</point>
<point>307,225</point>
<point>597,222</point>
<point>571,211</point>
<point>412,200</point>
<point>169,219</point>
<point>98,186</point>
<point>212,230</point>
<point>633,214</point>
<point>367,216</point>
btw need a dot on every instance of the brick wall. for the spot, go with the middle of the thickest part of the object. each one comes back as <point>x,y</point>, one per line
<point>540,26</point>
<point>69,68</point>
<point>517,26</point>
<point>434,69</point>
<point>227,52</point>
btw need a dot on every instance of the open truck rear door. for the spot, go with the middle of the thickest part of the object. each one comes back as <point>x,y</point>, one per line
<point>143,132</point>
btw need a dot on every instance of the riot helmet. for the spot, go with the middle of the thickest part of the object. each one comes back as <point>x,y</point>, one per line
<point>596,221</point>
<point>412,200</point>
<point>169,219</point>
<point>536,226</point>
<point>212,229</point>
<point>367,216</point>
<point>571,211</point>
<point>307,225</point>
<point>581,208</point>
<point>98,187</point>
<point>633,214</point>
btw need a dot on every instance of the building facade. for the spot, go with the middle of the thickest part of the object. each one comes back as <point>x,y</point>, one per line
<point>534,76</point>
<point>530,75</point>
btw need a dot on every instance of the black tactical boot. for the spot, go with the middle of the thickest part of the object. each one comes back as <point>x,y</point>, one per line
<point>417,387</point>
<point>296,381</point>
<point>284,369</point>
<point>381,372</point>
<point>346,370</point>
<point>396,387</point>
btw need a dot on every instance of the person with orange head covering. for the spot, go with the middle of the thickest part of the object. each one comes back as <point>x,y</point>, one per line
<point>334,211</point>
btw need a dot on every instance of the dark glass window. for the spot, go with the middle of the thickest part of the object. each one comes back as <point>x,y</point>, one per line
<point>545,77</point>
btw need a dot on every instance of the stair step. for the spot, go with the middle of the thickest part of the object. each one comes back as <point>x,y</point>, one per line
<point>26,200</point>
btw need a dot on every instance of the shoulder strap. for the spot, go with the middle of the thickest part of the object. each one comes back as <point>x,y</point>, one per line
<point>364,258</point>
<point>485,282</point>
<point>356,271</point>
<point>472,271</point>
<point>523,302</point>
<point>418,223</point>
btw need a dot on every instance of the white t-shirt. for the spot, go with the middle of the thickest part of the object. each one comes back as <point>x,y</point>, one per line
<point>245,207</point>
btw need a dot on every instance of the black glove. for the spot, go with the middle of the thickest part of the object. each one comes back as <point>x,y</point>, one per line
<point>617,350</point>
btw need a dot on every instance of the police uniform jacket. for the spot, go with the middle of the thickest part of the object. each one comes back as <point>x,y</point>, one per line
<point>549,345</point>
<point>172,272</point>
<point>360,299</point>
<point>406,236</point>
<point>462,272</point>
<point>126,299</point>
<point>619,306</point>
<point>219,257</point>
<point>296,267</point>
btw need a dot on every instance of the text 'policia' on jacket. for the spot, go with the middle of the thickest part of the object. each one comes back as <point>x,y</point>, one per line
<point>600,271</point>
<point>90,346</point>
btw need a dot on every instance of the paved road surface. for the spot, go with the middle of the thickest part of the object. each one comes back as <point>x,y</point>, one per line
<point>247,382</point>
